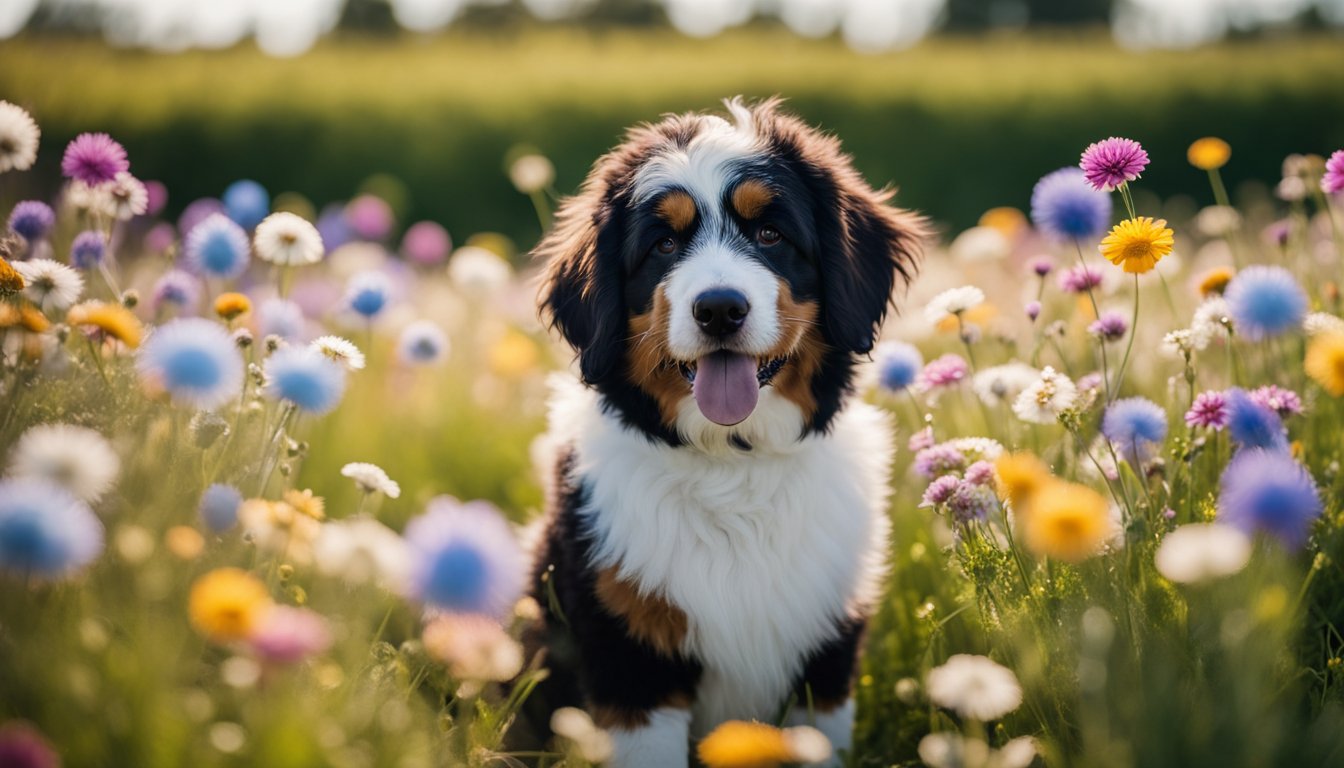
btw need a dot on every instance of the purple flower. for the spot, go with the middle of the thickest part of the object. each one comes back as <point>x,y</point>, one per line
<point>945,371</point>
<point>370,217</point>
<point>1089,382</point>
<point>1079,279</point>
<point>940,490</point>
<point>921,440</point>
<point>1284,402</point>
<point>1267,491</point>
<point>1209,410</point>
<point>980,473</point>
<point>972,502</point>
<point>1111,326</point>
<point>22,746</point>
<point>1134,425</point>
<point>1042,266</point>
<point>88,250</point>
<point>1033,310</point>
<point>1333,180</point>
<point>1064,207</point>
<point>939,460</point>
<point>198,211</point>
<point>1108,164</point>
<point>94,158</point>
<point>426,243</point>
<point>176,288</point>
<point>31,220</point>
<point>288,635</point>
<point>464,558</point>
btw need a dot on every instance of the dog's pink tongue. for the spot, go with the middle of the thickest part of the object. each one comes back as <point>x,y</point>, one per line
<point>725,387</point>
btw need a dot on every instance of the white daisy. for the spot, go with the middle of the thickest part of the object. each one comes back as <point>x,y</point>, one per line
<point>288,240</point>
<point>93,201</point>
<point>129,196</point>
<point>77,458</point>
<point>18,138</point>
<point>1044,399</point>
<point>531,173</point>
<point>475,271</point>
<point>974,686</point>
<point>49,284</point>
<point>371,479</point>
<point>341,350</point>
<point>975,448</point>
<point>1218,220</point>
<point>953,301</point>
<point>1178,343</point>
<point>1212,320</point>
<point>1202,552</point>
<point>1318,323</point>
<point>979,244</point>
<point>362,550</point>
<point>1003,383</point>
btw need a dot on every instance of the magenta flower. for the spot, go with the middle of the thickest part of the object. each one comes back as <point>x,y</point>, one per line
<point>1333,180</point>
<point>980,473</point>
<point>946,371</point>
<point>1042,265</point>
<point>289,635</point>
<point>1111,326</point>
<point>939,491</point>
<point>1209,410</point>
<point>94,158</point>
<point>1110,163</point>
<point>1284,402</point>
<point>22,746</point>
<point>1033,310</point>
<point>1079,279</point>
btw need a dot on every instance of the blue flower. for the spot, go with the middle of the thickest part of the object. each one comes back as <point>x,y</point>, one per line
<point>306,378</point>
<point>333,227</point>
<point>1253,425</point>
<point>195,360</point>
<point>1065,207</point>
<point>1134,425</point>
<point>32,220</point>
<point>177,288</point>
<point>422,343</point>
<point>1265,301</point>
<point>247,203</point>
<point>1269,492</point>
<point>217,247</point>
<point>898,365</point>
<point>280,317</point>
<point>88,250</point>
<point>45,532</point>
<point>464,558</point>
<point>367,293</point>
<point>219,507</point>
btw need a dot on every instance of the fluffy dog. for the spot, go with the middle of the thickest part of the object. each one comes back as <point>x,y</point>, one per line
<point>717,530</point>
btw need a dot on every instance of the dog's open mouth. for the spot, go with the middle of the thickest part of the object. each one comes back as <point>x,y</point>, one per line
<point>726,385</point>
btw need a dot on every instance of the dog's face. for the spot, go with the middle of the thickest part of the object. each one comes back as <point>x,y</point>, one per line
<point>705,260</point>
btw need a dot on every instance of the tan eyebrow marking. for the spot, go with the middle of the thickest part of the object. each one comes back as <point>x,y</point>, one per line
<point>751,197</point>
<point>677,209</point>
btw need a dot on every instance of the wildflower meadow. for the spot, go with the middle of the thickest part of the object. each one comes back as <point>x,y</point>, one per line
<point>268,472</point>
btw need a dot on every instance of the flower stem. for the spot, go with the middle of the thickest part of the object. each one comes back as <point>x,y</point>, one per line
<point>1133,326</point>
<point>1105,372</point>
<point>1220,197</point>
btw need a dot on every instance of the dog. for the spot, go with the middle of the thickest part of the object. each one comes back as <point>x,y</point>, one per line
<point>717,529</point>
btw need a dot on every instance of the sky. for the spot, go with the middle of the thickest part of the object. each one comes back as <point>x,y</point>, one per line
<point>290,27</point>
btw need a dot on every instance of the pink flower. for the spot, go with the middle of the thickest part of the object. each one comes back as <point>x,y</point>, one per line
<point>288,635</point>
<point>1333,181</point>
<point>1208,410</point>
<point>1079,279</point>
<point>921,440</point>
<point>1284,402</point>
<point>945,371</point>
<point>1108,164</point>
<point>94,158</point>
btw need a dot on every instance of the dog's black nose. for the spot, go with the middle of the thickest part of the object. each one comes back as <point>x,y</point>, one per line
<point>720,311</point>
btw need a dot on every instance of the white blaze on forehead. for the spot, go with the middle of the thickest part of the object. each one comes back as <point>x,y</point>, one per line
<point>715,264</point>
<point>704,166</point>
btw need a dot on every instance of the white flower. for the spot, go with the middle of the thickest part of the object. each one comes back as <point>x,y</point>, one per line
<point>952,750</point>
<point>341,350</point>
<point>953,301</point>
<point>1047,397</point>
<point>362,550</point>
<point>1178,343</point>
<point>278,528</point>
<point>807,745</point>
<point>1003,383</point>
<point>979,244</point>
<point>77,458</point>
<point>594,744</point>
<point>50,285</point>
<point>1218,220</point>
<point>1291,189</point>
<point>371,479</point>
<point>475,271</point>
<point>1318,323</point>
<point>129,196</point>
<point>531,173</point>
<point>1211,321</point>
<point>977,448</point>
<point>974,686</point>
<point>18,138</point>
<point>1201,552</point>
<point>95,201</point>
<point>288,240</point>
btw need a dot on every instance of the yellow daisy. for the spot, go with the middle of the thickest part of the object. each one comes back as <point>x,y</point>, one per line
<point>1009,221</point>
<point>1215,281</point>
<point>1209,153</point>
<point>739,744</point>
<point>112,320</point>
<point>1019,475</point>
<point>10,280</point>
<point>305,503</point>
<point>23,315</point>
<point>513,356</point>
<point>1138,244</point>
<point>232,305</point>
<point>226,603</point>
<point>1325,362</point>
<point>1066,521</point>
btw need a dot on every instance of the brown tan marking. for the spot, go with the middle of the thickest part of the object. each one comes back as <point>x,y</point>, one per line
<point>751,197</point>
<point>800,341</point>
<point>650,367</point>
<point>648,618</point>
<point>677,209</point>
<point>607,718</point>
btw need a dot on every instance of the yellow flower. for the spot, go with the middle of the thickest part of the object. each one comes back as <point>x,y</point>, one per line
<point>24,315</point>
<point>1066,521</point>
<point>1209,153</point>
<point>304,502</point>
<point>1138,244</point>
<point>10,280</point>
<point>1009,221</point>
<point>1215,281</point>
<point>184,541</point>
<point>979,315</point>
<point>513,355</point>
<point>1325,362</point>
<point>225,604</point>
<point>738,744</point>
<point>111,319</point>
<point>231,305</point>
<point>1020,475</point>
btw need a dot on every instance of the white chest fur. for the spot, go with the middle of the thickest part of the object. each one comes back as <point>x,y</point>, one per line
<point>763,550</point>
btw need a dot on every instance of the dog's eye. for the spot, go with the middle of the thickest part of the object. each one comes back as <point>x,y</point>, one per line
<point>667,246</point>
<point>768,235</point>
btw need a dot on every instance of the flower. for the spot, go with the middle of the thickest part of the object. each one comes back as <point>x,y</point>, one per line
<point>227,604</point>
<point>21,745</point>
<point>593,743</point>
<point>305,503</point>
<point>1265,301</point>
<point>280,317</point>
<point>90,200</point>
<point>1066,521</point>
<point>108,320</point>
<point>1325,362</point>
<point>939,460</point>
<point>88,249</point>
<point>361,549</point>
<point>246,203</point>
<point>422,343</point>
<point>178,288</point>
<point>1215,281</point>
<point>531,173</point>
<point>341,350</point>
<point>1322,323</point>
<point>1209,153</point>
<point>953,301</point>
<point>1208,410</point>
<point>219,507</point>
<point>1110,326</point>
<point>464,558</point>
<point>1212,320</point>
<point>128,196</point>
<point>974,687</point>
<point>1033,310</point>
<point>1134,425</point>
<point>1267,491</point>
<point>371,479</point>
<point>475,648</point>
<point>1079,279</point>
<point>1065,207</point>
<point>370,217</point>
<point>1332,183</point>
<point>1137,244</point>
<point>195,360</point>
<point>1003,383</point>
<point>279,528</point>
<point>1284,402</point>
<point>1253,425</point>
<point>50,284</point>
<point>740,744</point>
<point>945,371</point>
<point>952,750</point>
<point>288,635</point>
<point>897,364</point>
<point>18,138</point>
<point>11,282</point>
<point>981,472</point>
<point>232,305</point>
<point>1218,221</point>
<point>426,243</point>
<point>1019,475</point>
<point>940,490</point>
<point>1202,552</point>
<point>1109,163</point>
<point>1046,398</point>
<point>31,219</point>
<point>217,247</point>
<point>367,293</point>
<point>94,158</point>
<point>476,271</point>
<point>288,240</point>
<point>75,458</point>
<point>970,501</point>
<point>45,531</point>
<point>306,378</point>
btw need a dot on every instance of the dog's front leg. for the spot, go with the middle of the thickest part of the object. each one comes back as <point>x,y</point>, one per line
<point>825,689</point>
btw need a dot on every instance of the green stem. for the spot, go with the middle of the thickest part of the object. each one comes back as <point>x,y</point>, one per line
<point>1133,326</point>
<point>1091,295</point>
<point>1220,197</point>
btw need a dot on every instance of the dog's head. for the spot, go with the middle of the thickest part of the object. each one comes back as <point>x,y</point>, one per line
<point>706,259</point>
